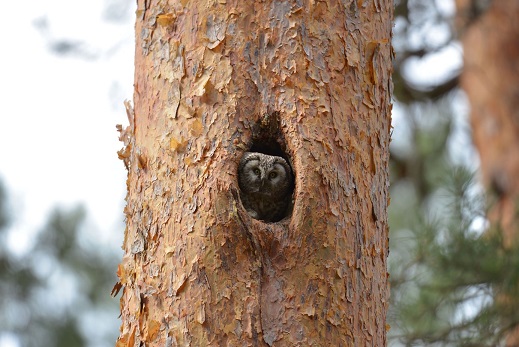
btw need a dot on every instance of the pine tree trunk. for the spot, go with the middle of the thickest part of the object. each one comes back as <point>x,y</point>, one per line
<point>491,81</point>
<point>306,80</point>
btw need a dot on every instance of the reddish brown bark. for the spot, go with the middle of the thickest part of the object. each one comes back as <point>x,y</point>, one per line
<point>214,78</point>
<point>491,81</point>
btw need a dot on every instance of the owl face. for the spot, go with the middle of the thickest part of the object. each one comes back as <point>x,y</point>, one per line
<point>264,174</point>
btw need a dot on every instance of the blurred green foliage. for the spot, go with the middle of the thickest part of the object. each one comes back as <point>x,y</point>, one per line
<point>58,292</point>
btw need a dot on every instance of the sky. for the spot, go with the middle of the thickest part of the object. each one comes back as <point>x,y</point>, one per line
<point>58,141</point>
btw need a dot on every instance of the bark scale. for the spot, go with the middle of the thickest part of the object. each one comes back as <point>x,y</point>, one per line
<point>213,79</point>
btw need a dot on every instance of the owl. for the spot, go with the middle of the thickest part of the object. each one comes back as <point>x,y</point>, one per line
<point>266,183</point>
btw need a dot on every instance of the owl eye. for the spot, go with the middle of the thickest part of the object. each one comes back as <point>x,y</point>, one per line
<point>256,172</point>
<point>273,175</point>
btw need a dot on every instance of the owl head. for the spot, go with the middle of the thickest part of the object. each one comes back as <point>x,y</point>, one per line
<point>264,174</point>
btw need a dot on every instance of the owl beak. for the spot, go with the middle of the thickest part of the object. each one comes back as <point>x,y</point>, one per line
<point>262,181</point>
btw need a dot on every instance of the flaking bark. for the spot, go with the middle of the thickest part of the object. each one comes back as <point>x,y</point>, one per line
<point>213,79</point>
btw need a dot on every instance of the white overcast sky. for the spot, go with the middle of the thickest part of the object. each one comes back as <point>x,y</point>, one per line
<point>58,140</point>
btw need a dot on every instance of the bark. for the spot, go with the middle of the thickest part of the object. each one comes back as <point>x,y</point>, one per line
<point>491,81</point>
<point>307,80</point>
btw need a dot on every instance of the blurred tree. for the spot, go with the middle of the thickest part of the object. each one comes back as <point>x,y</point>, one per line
<point>58,292</point>
<point>491,80</point>
<point>445,269</point>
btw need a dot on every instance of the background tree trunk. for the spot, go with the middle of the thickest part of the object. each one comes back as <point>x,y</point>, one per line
<point>309,80</point>
<point>491,80</point>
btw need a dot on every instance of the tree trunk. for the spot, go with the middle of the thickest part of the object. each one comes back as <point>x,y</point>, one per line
<point>491,81</point>
<point>309,81</point>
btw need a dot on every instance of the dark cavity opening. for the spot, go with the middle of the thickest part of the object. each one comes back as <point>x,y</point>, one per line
<point>269,147</point>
